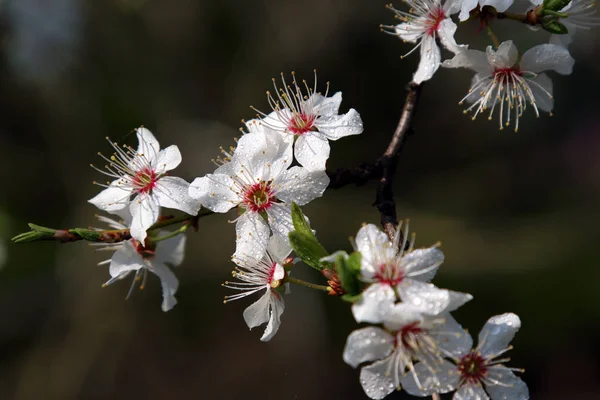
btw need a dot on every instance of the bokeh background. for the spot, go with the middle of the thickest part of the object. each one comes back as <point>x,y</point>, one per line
<point>517,213</point>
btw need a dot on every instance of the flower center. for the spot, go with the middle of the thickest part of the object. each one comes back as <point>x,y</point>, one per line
<point>472,367</point>
<point>144,180</point>
<point>500,73</point>
<point>273,283</point>
<point>144,252</point>
<point>301,123</point>
<point>259,197</point>
<point>434,19</point>
<point>409,334</point>
<point>389,273</point>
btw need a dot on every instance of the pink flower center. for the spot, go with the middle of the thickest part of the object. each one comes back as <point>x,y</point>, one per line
<point>500,73</point>
<point>144,252</point>
<point>259,197</point>
<point>144,180</point>
<point>406,335</point>
<point>389,274</point>
<point>300,123</point>
<point>472,367</point>
<point>434,19</point>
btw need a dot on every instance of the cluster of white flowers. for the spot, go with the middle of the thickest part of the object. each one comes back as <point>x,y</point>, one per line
<point>420,347</point>
<point>505,80</point>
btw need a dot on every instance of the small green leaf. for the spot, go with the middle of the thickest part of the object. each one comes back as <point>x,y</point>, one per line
<point>307,247</point>
<point>38,228</point>
<point>348,270</point>
<point>555,13</point>
<point>555,5</point>
<point>87,234</point>
<point>351,298</point>
<point>553,26</point>
<point>299,220</point>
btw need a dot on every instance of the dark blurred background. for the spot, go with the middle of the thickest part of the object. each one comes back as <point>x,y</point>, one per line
<point>517,213</point>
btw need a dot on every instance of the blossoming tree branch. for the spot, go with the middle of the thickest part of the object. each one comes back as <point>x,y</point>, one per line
<point>410,341</point>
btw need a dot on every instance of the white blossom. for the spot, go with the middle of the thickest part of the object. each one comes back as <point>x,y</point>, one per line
<point>424,23</point>
<point>393,270</point>
<point>409,337</point>
<point>259,181</point>
<point>308,119</point>
<point>507,82</point>
<point>142,174</point>
<point>255,275</point>
<point>131,257</point>
<point>475,374</point>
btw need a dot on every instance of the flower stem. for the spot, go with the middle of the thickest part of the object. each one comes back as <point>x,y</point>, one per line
<point>307,284</point>
<point>493,37</point>
<point>515,17</point>
<point>170,235</point>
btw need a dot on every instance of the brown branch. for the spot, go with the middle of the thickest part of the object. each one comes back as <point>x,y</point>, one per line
<point>384,168</point>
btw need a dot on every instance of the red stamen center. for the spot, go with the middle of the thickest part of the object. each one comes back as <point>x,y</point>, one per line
<point>472,367</point>
<point>389,274</point>
<point>259,197</point>
<point>503,72</point>
<point>436,16</point>
<point>144,180</point>
<point>407,332</point>
<point>144,252</point>
<point>301,123</point>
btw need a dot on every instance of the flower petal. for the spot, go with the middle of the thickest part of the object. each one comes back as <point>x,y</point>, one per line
<point>499,5</point>
<point>408,32</point>
<point>374,302</point>
<point>505,57</point>
<point>326,106</point>
<point>465,9</point>
<point>339,126</point>
<point>312,151</point>
<point>443,378</point>
<point>497,333</point>
<point>171,250</point>
<point>279,248</point>
<point>252,236</point>
<point>367,344</point>
<point>173,192</point>
<point>422,264</point>
<point>430,299</point>
<point>148,146</point>
<point>376,380</point>
<point>280,220</point>
<point>217,192</point>
<point>375,248</point>
<point>167,159</point>
<point>169,283</point>
<point>262,155</point>
<point>277,307</point>
<point>473,59</point>
<point>511,386</point>
<point>113,198</point>
<point>400,315</point>
<point>446,31</point>
<point>470,392</point>
<point>452,338</point>
<point>430,60</point>
<point>546,57</point>
<point>125,260</point>
<point>258,312</point>
<point>144,213</point>
<point>301,186</point>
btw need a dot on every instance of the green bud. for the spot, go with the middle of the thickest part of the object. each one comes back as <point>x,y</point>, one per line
<point>555,5</point>
<point>553,26</point>
<point>87,234</point>
<point>348,270</point>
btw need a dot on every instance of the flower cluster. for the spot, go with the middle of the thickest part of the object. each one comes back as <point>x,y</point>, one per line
<point>417,345</point>
<point>506,81</point>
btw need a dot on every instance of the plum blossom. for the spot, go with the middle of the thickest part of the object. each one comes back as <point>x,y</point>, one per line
<point>409,337</point>
<point>131,257</point>
<point>309,119</point>
<point>475,373</point>
<point>266,274</point>
<point>142,173</point>
<point>258,179</point>
<point>395,271</point>
<point>504,81</point>
<point>426,21</point>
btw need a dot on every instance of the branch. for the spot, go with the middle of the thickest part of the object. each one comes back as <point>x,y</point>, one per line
<point>38,233</point>
<point>384,168</point>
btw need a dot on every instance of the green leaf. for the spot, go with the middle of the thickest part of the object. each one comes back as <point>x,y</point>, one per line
<point>348,270</point>
<point>38,228</point>
<point>351,298</point>
<point>553,26</point>
<point>299,220</point>
<point>555,5</point>
<point>87,234</point>
<point>307,247</point>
